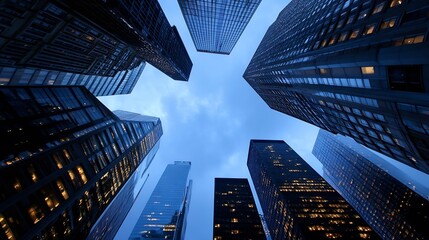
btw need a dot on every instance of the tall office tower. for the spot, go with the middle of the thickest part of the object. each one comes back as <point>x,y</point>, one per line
<point>164,216</point>
<point>359,68</point>
<point>235,214</point>
<point>216,26</point>
<point>297,202</point>
<point>391,208</point>
<point>99,44</point>
<point>66,161</point>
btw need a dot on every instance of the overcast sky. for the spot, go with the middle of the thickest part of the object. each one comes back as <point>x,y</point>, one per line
<point>210,119</point>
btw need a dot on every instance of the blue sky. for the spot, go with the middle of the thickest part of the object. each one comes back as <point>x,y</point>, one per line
<point>210,119</point>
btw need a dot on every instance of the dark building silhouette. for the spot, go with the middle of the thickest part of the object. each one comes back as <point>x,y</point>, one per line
<point>66,162</point>
<point>93,43</point>
<point>392,209</point>
<point>297,202</point>
<point>235,213</point>
<point>164,216</point>
<point>216,26</point>
<point>359,68</point>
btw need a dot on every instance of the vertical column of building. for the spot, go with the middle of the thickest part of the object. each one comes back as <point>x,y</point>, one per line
<point>235,214</point>
<point>297,202</point>
<point>391,209</point>
<point>162,216</point>
<point>353,67</point>
<point>65,160</point>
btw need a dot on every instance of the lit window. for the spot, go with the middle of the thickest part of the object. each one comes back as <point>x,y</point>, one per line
<point>32,172</point>
<point>82,174</point>
<point>62,189</point>
<point>235,232</point>
<point>413,40</point>
<point>234,220</point>
<point>332,40</point>
<point>395,3</point>
<point>323,43</point>
<point>51,201</point>
<point>369,30</point>
<point>58,161</point>
<point>354,34</point>
<point>323,71</point>
<point>17,185</point>
<point>343,37</point>
<point>6,228</point>
<point>35,213</point>
<point>217,225</point>
<point>390,23</point>
<point>378,8</point>
<point>367,70</point>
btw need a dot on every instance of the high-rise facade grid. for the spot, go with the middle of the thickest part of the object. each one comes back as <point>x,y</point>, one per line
<point>235,214</point>
<point>392,209</point>
<point>164,215</point>
<point>297,202</point>
<point>64,159</point>
<point>358,68</point>
<point>216,26</point>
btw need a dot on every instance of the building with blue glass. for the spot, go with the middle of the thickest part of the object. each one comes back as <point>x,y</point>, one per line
<point>392,209</point>
<point>102,45</point>
<point>164,216</point>
<point>216,26</point>
<point>297,202</point>
<point>358,68</point>
<point>67,163</point>
<point>235,215</point>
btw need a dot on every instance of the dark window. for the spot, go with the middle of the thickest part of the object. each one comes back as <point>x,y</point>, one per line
<point>406,78</point>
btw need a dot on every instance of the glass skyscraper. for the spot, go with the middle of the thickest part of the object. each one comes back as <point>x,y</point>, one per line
<point>358,68</point>
<point>216,25</point>
<point>391,208</point>
<point>67,162</point>
<point>164,215</point>
<point>297,202</point>
<point>102,45</point>
<point>235,214</point>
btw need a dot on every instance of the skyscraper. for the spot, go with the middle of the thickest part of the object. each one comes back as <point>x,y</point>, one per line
<point>235,214</point>
<point>65,160</point>
<point>358,68</point>
<point>99,44</point>
<point>216,26</point>
<point>164,215</point>
<point>391,209</point>
<point>297,202</point>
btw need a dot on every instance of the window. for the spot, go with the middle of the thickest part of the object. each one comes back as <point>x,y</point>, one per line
<point>378,8</point>
<point>323,71</point>
<point>413,40</point>
<point>405,78</point>
<point>342,37</point>
<point>351,19</point>
<point>367,70</point>
<point>35,213</point>
<point>394,3</point>
<point>62,189</point>
<point>354,34</point>
<point>389,23</point>
<point>363,14</point>
<point>369,29</point>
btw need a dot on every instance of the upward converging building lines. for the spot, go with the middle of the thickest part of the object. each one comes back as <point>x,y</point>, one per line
<point>216,25</point>
<point>102,45</point>
<point>358,68</point>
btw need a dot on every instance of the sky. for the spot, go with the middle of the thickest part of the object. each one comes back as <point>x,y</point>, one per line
<point>210,119</point>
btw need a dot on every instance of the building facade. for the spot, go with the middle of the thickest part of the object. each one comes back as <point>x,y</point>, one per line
<point>235,215</point>
<point>358,68</point>
<point>99,44</point>
<point>297,202</point>
<point>164,215</point>
<point>392,209</point>
<point>216,26</point>
<point>65,158</point>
